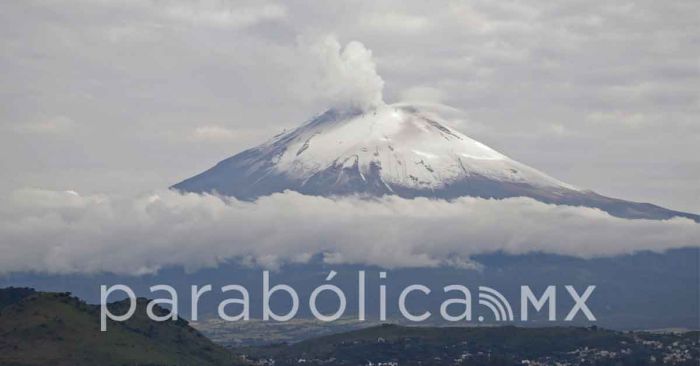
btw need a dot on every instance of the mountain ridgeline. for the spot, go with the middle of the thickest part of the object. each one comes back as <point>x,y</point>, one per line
<point>394,150</point>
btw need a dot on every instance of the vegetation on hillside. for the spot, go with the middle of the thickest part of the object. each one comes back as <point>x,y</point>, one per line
<point>58,329</point>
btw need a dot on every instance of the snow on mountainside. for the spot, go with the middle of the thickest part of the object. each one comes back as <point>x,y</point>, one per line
<point>393,149</point>
<point>410,150</point>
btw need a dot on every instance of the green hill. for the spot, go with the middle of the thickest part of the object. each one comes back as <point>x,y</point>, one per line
<point>56,329</point>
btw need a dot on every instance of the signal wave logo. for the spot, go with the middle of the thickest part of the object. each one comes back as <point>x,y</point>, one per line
<point>498,304</point>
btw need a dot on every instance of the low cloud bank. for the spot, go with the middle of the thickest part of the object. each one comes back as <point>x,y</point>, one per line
<point>65,232</point>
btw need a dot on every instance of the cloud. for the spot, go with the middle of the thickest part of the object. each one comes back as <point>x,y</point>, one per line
<point>422,94</point>
<point>50,126</point>
<point>225,14</point>
<point>395,22</point>
<point>343,76</point>
<point>213,133</point>
<point>629,119</point>
<point>63,232</point>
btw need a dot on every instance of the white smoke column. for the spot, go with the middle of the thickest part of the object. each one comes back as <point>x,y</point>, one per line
<point>346,77</point>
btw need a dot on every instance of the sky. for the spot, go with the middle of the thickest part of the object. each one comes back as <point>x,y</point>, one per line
<point>123,98</point>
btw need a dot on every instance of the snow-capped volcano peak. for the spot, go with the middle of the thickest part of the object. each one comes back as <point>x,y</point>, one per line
<point>393,150</point>
<point>406,147</point>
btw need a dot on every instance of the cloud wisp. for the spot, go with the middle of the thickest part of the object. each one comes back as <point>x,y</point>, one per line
<point>65,232</point>
<point>222,14</point>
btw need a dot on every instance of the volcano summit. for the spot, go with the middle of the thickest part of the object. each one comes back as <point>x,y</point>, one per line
<point>393,150</point>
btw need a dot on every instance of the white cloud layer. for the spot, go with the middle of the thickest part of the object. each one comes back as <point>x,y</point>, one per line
<point>64,232</point>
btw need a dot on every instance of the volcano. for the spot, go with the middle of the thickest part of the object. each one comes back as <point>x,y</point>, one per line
<point>394,150</point>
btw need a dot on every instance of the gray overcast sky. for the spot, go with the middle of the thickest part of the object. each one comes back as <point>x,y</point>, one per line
<point>126,97</point>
